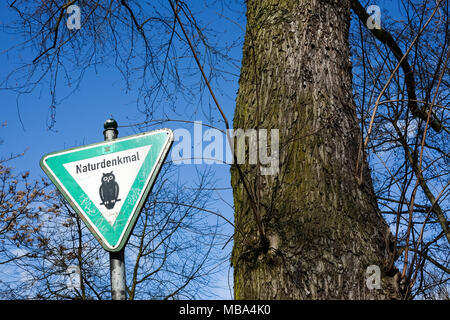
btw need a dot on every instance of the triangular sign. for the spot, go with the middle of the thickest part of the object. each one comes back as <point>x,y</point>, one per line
<point>107,183</point>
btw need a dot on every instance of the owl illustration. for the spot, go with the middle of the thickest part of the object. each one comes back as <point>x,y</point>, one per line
<point>109,190</point>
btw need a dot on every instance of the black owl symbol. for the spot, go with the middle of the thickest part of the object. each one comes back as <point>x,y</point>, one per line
<point>109,190</point>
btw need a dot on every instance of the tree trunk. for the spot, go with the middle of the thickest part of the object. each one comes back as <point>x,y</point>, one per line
<point>322,225</point>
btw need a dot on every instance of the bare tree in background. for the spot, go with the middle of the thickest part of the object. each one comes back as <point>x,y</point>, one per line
<point>21,204</point>
<point>408,148</point>
<point>171,254</point>
<point>139,39</point>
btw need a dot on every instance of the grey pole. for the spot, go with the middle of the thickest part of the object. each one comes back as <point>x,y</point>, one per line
<point>116,259</point>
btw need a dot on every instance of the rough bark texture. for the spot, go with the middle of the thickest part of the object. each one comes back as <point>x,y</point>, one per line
<point>323,227</point>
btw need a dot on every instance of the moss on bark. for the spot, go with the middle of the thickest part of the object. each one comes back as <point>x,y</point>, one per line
<point>323,228</point>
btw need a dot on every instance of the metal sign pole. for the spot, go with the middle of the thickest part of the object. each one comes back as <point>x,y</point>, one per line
<point>116,259</point>
<point>117,269</point>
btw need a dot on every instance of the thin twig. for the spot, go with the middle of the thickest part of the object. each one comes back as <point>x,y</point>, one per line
<point>230,140</point>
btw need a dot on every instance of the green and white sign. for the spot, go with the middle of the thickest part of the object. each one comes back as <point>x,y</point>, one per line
<point>107,183</point>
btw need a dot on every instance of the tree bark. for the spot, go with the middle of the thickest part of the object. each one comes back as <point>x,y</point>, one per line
<point>323,227</point>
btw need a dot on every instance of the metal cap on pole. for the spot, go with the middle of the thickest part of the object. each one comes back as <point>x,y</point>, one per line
<point>110,132</point>
<point>116,259</point>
